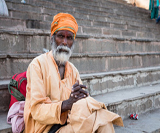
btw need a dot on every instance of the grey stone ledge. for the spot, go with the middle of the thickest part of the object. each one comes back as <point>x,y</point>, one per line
<point>25,32</point>
<point>135,98</point>
<point>74,55</point>
<point>3,56</point>
<point>128,95</point>
<point>78,55</point>
<point>4,84</point>
<point>23,56</point>
<point>122,72</point>
<point>30,32</point>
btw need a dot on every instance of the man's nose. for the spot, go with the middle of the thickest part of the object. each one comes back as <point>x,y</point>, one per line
<point>65,41</point>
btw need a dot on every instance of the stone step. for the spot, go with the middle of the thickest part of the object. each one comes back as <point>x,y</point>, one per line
<point>63,8</point>
<point>120,9</point>
<point>4,126</point>
<point>104,82</point>
<point>120,1</point>
<point>88,20</point>
<point>85,63</point>
<point>99,27</point>
<point>34,40</point>
<point>24,7</point>
<point>99,5</point>
<point>4,96</point>
<point>101,83</point>
<point>113,3</point>
<point>92,4</point>
<point>33,15</point>
<point>126,101</point>
<point>147,123</point>
<point>93,63</point>
<point>40,21</point>
<point>138,100</point>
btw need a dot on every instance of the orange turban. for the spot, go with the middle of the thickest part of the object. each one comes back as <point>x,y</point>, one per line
<point>64,21</point>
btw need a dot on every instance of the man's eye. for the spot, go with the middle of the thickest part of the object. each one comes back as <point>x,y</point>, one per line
<point>60,36</point>
<point>70,38</point>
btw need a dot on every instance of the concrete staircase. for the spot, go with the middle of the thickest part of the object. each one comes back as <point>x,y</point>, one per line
<point>117,50</point>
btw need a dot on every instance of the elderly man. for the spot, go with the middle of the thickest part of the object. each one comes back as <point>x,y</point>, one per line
<point>56,100</point>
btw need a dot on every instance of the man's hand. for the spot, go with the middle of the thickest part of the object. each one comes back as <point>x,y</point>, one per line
<point>76,94</point>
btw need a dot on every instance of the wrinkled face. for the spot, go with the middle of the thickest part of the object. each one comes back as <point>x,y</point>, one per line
<point>62,45</point>
<point>64,37</point>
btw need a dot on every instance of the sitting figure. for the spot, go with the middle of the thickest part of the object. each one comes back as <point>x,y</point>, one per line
<point>56,100</point>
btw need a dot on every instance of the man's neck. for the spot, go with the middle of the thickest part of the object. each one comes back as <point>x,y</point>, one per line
<point>60,64</point>
<point>61,68</point>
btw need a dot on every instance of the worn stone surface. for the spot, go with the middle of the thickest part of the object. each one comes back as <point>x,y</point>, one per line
<point>113,81</point>
<point>23,44</point>
<point>128,33</point>
<point>148,60</point>
<point>7,22</point>
<point>5,100</point>
<point>89,65</point>
<point>125,62</point>
<point>135,100</point>
<point>111,32</point>
<point>12,43</point>
<point>4,127</point>
<point>152,125</point>
<point>28,15</point>
<point>93,31</point>
<point>85,63</point>
<point>4,69</point>
<point>9,67</point>
<point>110,83</point>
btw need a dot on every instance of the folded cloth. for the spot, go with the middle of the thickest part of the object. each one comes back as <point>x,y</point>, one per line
<point>15,117</point>
<point>88,115</point>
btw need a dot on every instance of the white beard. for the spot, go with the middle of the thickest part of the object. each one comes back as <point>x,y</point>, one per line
<point>62,57</point>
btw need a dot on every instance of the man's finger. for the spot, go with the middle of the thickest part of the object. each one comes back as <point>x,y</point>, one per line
<point>77,88</point>
<point>84,92</point>
<point>76,84</point>
<point>75,94</point>
<point>81,96</point>
<point>83,86</point>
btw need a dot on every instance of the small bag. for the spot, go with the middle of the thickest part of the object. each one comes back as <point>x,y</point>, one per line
<point>17,87</point>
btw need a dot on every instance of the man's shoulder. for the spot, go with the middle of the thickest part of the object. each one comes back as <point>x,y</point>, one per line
<point>72,66</point>
<point>39,59</point>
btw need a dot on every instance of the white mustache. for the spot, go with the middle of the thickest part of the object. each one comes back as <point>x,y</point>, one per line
<point>64,49</point>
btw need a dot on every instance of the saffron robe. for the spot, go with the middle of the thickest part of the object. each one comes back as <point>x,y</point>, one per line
<point>45,93</point>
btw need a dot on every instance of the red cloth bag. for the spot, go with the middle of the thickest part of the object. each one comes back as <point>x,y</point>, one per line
<point>17,87</point>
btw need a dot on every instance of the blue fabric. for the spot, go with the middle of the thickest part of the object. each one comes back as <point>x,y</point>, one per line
<point>154,9</point>
<point>158,19</point>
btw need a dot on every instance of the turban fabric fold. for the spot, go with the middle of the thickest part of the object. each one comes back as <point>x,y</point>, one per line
<point>64,21</point>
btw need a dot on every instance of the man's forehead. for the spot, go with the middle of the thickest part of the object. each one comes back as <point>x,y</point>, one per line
<point>67,32</point>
